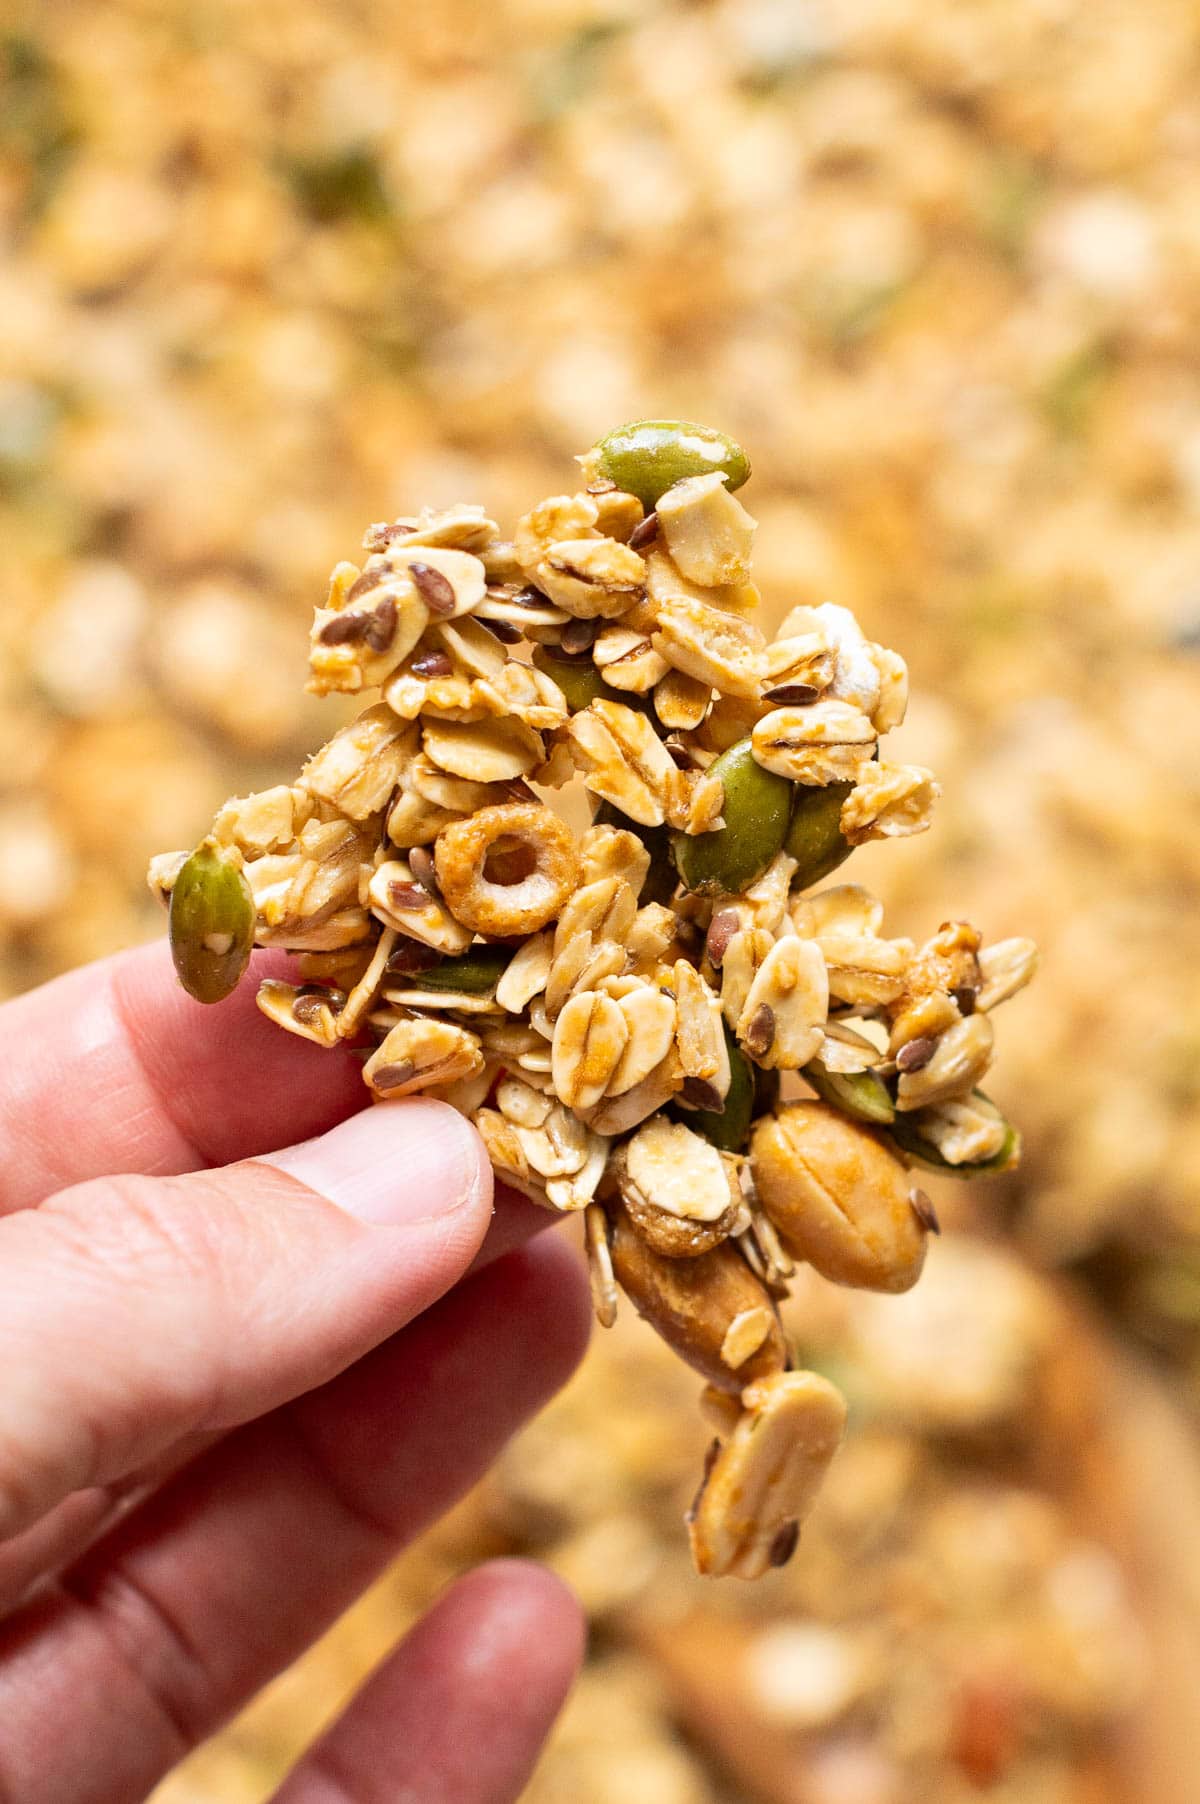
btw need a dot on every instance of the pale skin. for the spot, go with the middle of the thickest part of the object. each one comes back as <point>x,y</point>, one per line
<point>254,1339</point>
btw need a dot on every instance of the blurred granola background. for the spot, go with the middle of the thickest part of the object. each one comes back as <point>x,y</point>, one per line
<point>272,272</point>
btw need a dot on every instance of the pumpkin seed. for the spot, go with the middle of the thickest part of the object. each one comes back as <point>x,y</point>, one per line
<point>647,456</point>
<point>577,677</point>
<point>211,924</point>
<point>815,839</point>
<point>728,1128</point>
<point>473,973</point>
<point>756,810</point>
<point>861,1094</point>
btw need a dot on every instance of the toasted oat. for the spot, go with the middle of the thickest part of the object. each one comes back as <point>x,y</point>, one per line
<point>624,761</point>
<point>419,1053</point>
<point>590,1036</point>
<point>889,801</point>
<point>711,646</point>
<point>829,742</point>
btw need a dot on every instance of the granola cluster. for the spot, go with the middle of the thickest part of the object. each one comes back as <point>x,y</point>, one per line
<point>619,1009</point>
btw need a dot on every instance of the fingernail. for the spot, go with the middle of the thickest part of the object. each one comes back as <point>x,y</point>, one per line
<point>395,1163</point>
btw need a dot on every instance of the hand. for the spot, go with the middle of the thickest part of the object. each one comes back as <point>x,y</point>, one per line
<point>236,1382</point>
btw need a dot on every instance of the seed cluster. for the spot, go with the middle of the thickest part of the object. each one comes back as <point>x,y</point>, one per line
<point>617,1010</point>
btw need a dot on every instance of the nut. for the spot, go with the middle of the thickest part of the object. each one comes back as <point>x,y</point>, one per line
<point>693,1303</point>
<point>838,1196</point>
<point>761,1485</point>
<point>708,532</point>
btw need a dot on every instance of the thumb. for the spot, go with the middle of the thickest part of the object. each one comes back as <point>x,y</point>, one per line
<point>136,1310</point>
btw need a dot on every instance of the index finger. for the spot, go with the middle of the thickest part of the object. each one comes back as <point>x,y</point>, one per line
<point>113,1068</point>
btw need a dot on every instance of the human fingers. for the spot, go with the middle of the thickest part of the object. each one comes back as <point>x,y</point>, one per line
<point>138,1311</point>
<point>458,1714</point>
<point>65,1532</point>
<point>118,1070</point>
<point>234,1567</point>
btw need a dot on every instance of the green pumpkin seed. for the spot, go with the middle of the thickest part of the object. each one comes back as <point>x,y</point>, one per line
<point>861,1094</point>
<point>578,678</point>
<point>211,924</point>
<point>473,973</point>
<point>756,809</point>
<point>907,1136</point>
<point>815,839</point>
<point>728,1128</point>
<point>647,456</point>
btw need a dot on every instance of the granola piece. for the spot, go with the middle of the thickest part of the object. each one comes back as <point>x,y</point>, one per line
<point>650,1019</point>
<point>654,931</point>
<point>600,1268</point>
<point>956,1063</point>
<point>713,647</point>
<point>507,870</point>
<point>619,1114</point>
<point>698,802</point>
<point>1004,968</point>
<point>666,585</point>
<point>463,527</point>
<point>745,1335</point>
<point>264,822</point>
<point>741,961</point>
<point>307,897</point>
<point>400,900</point>
<point>614,852</point>
<point>708,532</point>
<point>965,1131</point>
<point>698,1036</point>
<point>590,1036</point>
<point>525,693</point>
<point>781,1024</point>
<point>844,908</point>
<point>838,1197</point>
<point>624,761</point>
<point>797,670</point>
<point>526,973</point>
<point>628,659</point>
<point>557,518</point>
<point>591,578</point>
<point>892,705</point>
<point>692,1302</point>
<point>889,801</point>
<point>605,909</point>
<point>672,1169</point>
<point>570,1194</point>
<point>369,625</point>
<point>761,1484</point>
<point>681,701</point>
<point>413,820</point>
<point>488,751</point>
<point>361,765</point>
<point>856,678</point>
<point>865,971</point>
<point>829,742</point>
<point>419,1053</point>
<point>583,964</point>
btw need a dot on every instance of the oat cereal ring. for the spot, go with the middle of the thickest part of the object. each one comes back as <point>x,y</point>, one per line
<point>507,869</point>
